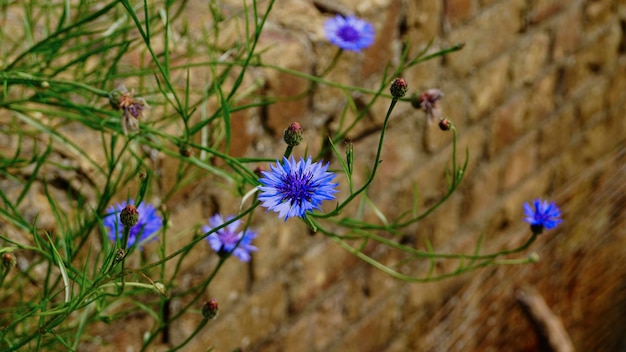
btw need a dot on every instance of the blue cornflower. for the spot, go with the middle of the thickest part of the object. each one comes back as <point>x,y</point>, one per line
<point>149,223</point>
<point>349,33</point>
<point>293,188</point>
<point>545,215</point>
<point>227,238</point>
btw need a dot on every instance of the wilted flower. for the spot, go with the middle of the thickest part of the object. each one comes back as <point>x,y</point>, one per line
<point>349,33</point>
<point>293,188</point>
<point>544,215</point>
<point>122,99</point>
<point>149,222</point>
<point>429,102</point>
<point>228,239</point>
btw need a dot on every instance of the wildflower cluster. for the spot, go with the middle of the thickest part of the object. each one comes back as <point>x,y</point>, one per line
<point>293,188</point>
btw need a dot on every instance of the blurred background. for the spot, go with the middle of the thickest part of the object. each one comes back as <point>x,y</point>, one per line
<point>538,95</point>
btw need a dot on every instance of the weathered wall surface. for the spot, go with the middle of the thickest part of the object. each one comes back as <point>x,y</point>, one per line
<point>539,97</point>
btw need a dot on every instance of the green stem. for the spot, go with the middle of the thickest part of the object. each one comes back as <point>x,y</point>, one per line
<point>377,162</point>
<point>191,336</point>
<point>288,151</point>
<point>125,235</point>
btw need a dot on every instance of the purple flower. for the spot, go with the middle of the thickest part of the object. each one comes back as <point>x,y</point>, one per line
<point>293,188</point>
<point>149,223</point>
<point>349,33</point>
<point>228,239</point>
<point>544,215</point>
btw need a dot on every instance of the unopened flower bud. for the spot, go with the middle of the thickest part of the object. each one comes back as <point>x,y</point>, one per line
<point>293,135</point>
<point>445,124</point>
<point>210,309</point>
<point>534,257</point>
<point>8,260</point>
<point>45,84</point>
<point>160,287</point>
<point>129,216</point>
<point>398,88</point>
<point>185,151</point>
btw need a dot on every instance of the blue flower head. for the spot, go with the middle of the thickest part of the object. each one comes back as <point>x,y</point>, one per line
<point>349,33</point>
<point>228,239</point>
<point>149,223</point>
<point>544,215</point>
<point>293,188</point>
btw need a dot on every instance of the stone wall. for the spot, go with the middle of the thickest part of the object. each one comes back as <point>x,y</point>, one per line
<point>539,97</point>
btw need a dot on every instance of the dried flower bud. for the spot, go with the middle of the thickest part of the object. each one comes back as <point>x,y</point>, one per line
<point>8,260</point>
<point>398,88</point>
<point>210,309</point>
<point>293,135</point>
<point>129,216</point>
<point>445,124</point>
